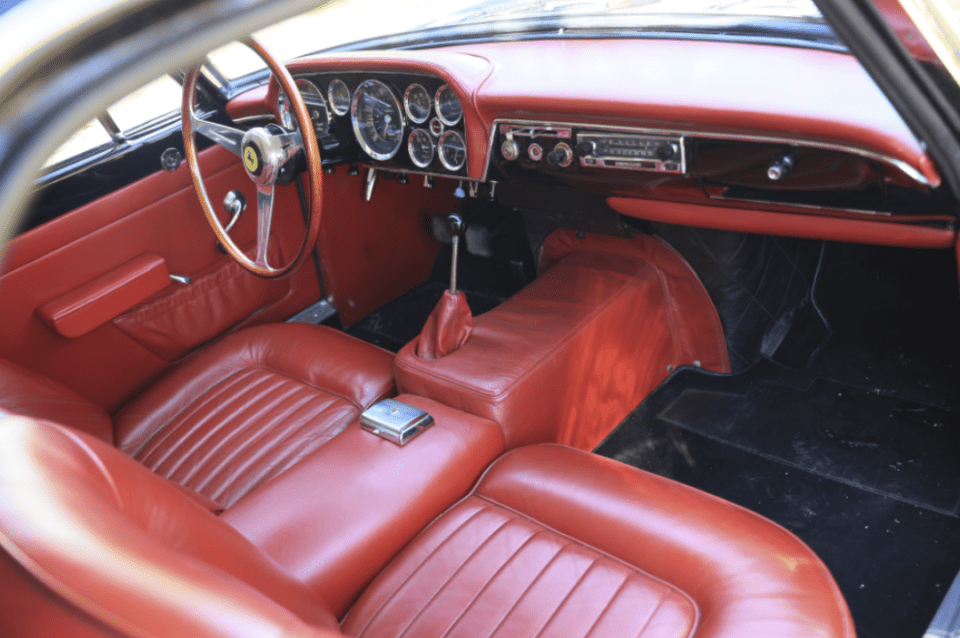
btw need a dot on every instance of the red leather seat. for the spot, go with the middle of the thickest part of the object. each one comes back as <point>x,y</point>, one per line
<point>234,415</point>
<point>552,542</point>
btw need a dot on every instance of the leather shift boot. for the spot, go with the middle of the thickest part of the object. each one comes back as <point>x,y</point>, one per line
<point>447,328</point>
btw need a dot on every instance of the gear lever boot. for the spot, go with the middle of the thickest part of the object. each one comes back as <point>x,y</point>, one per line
<point>449,325</point>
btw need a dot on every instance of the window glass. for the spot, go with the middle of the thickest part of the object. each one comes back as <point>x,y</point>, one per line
<point>87,138</point>
<point>160,97</point>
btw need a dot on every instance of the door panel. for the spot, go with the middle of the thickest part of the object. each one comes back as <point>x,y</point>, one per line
<point>158,215</point>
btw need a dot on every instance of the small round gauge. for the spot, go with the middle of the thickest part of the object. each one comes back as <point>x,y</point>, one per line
<point>436,127</point>
<point>452,151</point>
<point>377,120</point>
<point>316,107</point>
<point>420,147</point>
<point>339,96</point>
<point>448,105</point>
<point>416,102</point>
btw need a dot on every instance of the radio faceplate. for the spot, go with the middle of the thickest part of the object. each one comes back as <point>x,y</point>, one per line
<point>558,146</point>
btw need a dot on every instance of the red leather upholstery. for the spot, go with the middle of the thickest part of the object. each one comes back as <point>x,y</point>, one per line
<point>447,328</point>
<point>31,394</point>
<point>338,517</point>
<point>100,546</point>
<point>251,405</point>
<point>570,355</point>
<point>558,542</point>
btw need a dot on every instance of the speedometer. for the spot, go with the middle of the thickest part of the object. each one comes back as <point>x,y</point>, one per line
<point>377,120</point>
<point>452,151</point>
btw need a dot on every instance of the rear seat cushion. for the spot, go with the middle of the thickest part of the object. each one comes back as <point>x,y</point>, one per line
<point>558,542</point>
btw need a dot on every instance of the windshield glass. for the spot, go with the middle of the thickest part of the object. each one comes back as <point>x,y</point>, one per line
<point>341,22</point>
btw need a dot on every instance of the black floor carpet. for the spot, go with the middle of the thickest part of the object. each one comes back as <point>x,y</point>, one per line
<point>858,452</point>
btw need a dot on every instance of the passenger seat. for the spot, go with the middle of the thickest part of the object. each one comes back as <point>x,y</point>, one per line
<point>551,542</point>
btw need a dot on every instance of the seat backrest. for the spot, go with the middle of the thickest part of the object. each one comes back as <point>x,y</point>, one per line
<point>94,544</point>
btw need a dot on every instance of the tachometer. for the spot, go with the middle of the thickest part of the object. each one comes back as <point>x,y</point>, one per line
<point>417,103</point>
<point>339,96</point>
<point>316,106</point>
<point>420,147</point>
<point>377,120</point>
<point>452,151</point>
<point>449,109</point>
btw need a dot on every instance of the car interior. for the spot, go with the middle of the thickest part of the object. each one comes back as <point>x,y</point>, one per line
<point>657,339</point>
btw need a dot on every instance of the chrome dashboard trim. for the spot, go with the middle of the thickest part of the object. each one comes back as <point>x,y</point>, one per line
<point>905,168</point>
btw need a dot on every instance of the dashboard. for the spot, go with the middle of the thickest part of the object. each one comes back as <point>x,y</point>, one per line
<point>715,125</point>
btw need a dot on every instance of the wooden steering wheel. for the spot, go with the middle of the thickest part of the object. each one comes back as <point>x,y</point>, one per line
<point>264,150</point>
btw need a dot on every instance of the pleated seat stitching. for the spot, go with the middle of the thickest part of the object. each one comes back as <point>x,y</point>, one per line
<point>567,597</point>
<point>457,571</point>
<point>653,613</point>
<point>423,562</point>
<point>536,579</point>
<point>492,578</point>
<point>606,607</point>
<point>160,436</point>
<point>227,422</point>
<point>251,424</point>
<point>273,438</point>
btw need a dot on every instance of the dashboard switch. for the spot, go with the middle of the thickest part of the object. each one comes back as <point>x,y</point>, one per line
<point>561,155</point>
<point>510,150</point>
<point>668,151</point>
<point>782,166</point>
<point>535,152</point>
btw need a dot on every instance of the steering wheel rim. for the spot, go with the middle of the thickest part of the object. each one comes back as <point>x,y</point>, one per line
<point>263,152</point>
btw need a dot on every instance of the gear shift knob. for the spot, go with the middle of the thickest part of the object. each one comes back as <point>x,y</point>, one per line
<point>455,225</point>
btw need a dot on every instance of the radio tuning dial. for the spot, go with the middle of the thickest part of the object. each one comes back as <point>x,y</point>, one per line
<point>586,148</point>
<point>670,150</point>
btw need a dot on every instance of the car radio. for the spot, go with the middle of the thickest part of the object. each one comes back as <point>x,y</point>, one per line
<point>560,145</point>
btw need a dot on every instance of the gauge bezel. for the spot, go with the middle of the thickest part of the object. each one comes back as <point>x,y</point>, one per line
<point>333,104</point>
<point>433,148</point>
<point>443,160</point>
<point>406,103</point>
<point>436,106</point>
<point>317,96</point>
<point>356,124</point>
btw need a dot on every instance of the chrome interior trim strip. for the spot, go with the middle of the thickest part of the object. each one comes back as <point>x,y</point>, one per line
<point>907,169</point>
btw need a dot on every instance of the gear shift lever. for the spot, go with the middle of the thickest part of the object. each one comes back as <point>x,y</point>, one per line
<point>455,226</point>
<point>449,325</point>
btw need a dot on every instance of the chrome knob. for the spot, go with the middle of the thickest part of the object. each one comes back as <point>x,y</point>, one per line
<point>510,150</point>
<point>782,166</point>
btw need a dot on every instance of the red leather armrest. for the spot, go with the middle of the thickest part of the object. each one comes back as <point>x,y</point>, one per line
<point>96,302</point>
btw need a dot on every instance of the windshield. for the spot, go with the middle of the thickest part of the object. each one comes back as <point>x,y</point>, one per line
<point>341,22</point>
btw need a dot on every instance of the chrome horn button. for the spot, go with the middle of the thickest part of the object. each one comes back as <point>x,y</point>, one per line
<point>263,154</point>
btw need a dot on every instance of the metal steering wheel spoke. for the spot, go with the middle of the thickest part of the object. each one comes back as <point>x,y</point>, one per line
<point>264,221</point>
<point>226,136</point>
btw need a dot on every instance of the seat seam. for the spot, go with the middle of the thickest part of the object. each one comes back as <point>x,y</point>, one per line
<point>234,426</point>
<point>492,578</point>
<point>567,597</point>
<point>456,572</point>
<point>653,613</point>
<point>609,602</point>
<point>260,435</point>
<point>535,580</point>
<point>416,568</point>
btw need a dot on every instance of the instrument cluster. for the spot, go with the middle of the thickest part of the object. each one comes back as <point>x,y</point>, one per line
<point>396,121</point>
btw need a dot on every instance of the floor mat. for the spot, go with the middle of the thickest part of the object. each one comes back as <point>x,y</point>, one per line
<point>863,438</point>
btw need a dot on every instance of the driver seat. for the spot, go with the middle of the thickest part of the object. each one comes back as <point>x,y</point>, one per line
<point>233,415</point>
